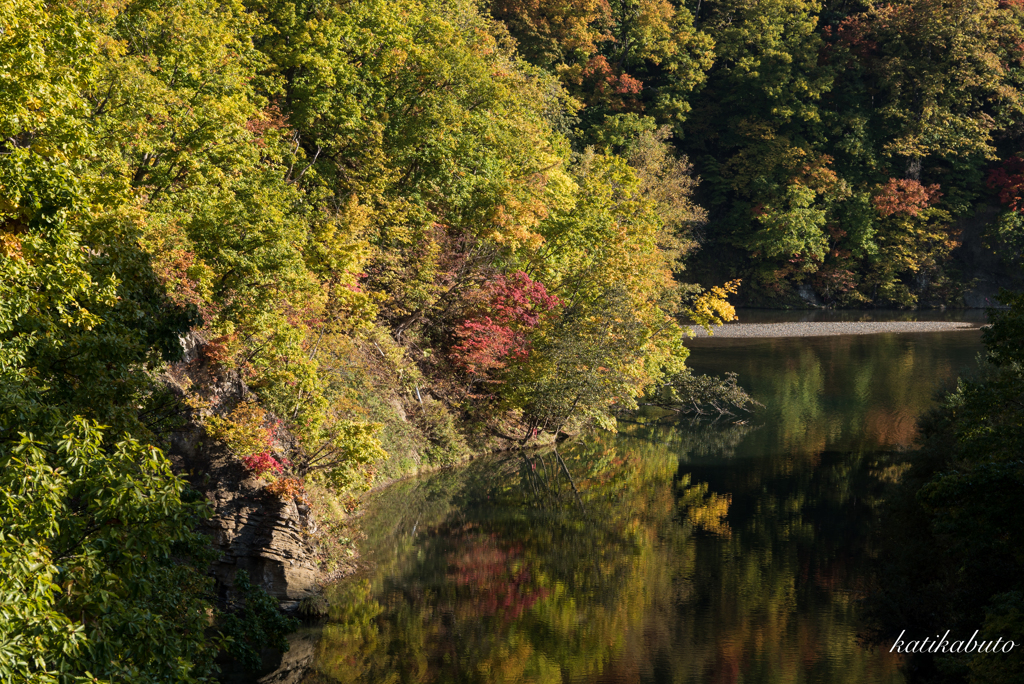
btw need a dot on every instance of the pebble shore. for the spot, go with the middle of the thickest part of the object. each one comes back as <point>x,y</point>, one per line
<point>827,328</point>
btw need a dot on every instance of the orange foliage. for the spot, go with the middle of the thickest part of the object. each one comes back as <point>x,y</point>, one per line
<point>288,488</point>
<point>216,351</point>
<point>905,196</point>
<point>606,83</point>
<point>270,119</point>
<point>174,268</point>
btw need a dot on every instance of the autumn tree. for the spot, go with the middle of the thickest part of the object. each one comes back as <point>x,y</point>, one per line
<point>619,56</point>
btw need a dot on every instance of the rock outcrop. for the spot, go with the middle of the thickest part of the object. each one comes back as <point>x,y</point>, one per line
<point>252,529</point>
<point>289,667</point>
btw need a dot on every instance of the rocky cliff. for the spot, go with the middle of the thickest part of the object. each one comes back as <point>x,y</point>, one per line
<point>252,529</point>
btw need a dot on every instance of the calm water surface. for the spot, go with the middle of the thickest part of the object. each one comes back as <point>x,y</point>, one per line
<point>694,551</point>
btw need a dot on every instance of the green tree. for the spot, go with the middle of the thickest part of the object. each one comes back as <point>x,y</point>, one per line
<point>102,560</point>
<point>625,55</point>
<point>98,555</point>
<point>757,135</point>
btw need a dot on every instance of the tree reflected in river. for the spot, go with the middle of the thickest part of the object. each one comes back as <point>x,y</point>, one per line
<point>709,552</point>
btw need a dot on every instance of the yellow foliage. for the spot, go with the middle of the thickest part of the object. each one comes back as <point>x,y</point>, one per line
<point>10,246</point>
<point>242,430</point>
<point>711,307</point>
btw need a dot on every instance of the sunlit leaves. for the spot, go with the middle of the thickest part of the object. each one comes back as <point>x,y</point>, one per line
<point>500,333</point>
<point>283,186</point>
<point>92,555</point>
<point>793,229</point>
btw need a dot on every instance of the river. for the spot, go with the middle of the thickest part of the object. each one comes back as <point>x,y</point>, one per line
<point>693,551</point>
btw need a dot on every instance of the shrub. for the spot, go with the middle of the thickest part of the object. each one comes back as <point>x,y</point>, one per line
<point>500,333</point>
<point>262,463</point>
<point>288,488</point>
<point>447,445</point>
<point>253,622</point>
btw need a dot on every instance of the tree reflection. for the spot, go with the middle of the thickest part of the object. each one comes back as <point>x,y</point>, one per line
<point>708,552</point>
<point>514,583</point>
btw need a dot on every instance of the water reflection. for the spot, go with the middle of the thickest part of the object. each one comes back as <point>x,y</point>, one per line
<point>724,552</point>
<point>847,392</point>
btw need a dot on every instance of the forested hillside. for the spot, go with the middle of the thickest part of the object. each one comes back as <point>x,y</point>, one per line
<point>415,230</point>
<point>374,216</point>
<point>838,143</point>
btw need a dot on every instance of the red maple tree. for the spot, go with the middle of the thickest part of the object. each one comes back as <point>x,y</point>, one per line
<point>499,333</point>
<point>1008,180</point>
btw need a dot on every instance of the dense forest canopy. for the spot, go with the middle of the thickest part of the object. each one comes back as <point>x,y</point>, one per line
<point>332,203</point>
<point>837,142</point>
<point>487,214</point>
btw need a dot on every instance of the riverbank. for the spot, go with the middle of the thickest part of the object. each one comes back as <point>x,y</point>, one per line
<point>830,328</point>
<point>338,560</point>
<point>753,323</point>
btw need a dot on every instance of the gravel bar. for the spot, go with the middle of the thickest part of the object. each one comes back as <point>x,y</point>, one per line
<point>826,328</point>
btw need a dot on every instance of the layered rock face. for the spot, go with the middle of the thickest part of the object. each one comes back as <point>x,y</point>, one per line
<point>253,530</point>
<point>265,538</point>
